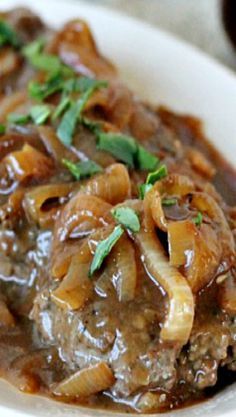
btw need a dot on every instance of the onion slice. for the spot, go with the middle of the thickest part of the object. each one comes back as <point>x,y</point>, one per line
<point>173,185</point>
<point>37,202</point>
<point>86,382</point>
<point>125,275</point>
<point>75,289</point>
<point>113,185</point>
<point>178,323</point>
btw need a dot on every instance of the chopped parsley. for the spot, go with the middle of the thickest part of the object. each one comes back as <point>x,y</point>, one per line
<point>143,189</point>
<point>40,91</point>
<point>103,249</point>
<point>82,169</point>
<point>125,149</point>
<point>44,61</point>
<point>2,129</point>
<point>8,36</point>
<point>66,128</point>
<point>127,217</point>
<point>152,177</point>
<point>18,119</point>
<point>145,160</point>
<point>120,146</point>
<point>82,84</point>
<point>157,175</point>
<point>168,202</point>
<point>198,219</point>
<point>69,120</point>
<point>61,107</point>
<point>40,113</point>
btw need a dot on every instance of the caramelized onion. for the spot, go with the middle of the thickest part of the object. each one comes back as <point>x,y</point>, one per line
<point>105,185</point>
<point>197,249</point>
<point>61,257</point>
<point>10,63</point>
<point>227,293</point>
<point>76,47</point>
<point>178,323</point>
<point>125,275</point>
<point>76,288</point>
<point>83,213</point>
<point>63,253</point>
<point>173,185</point>
<point>181,242</point>
<point>200,163</point>
<point>207,204</point>
<point>6,318</point>
<point>28,163</point>
<point>87,381</point>
<point>10,104</point>
<point>54,147</point>
<point>12,211</point>
<point>42,203</point>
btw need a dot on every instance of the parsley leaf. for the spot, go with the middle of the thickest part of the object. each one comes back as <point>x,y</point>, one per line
<point>82,84</point>
<point>125,149</point>
<point>19,119</point>
<point>157,175</point>
<point>122,147</point>
<point>40,113</point>
<point>145,160</point>
<point>41,91</point>
<point>8,36</point>
<point>44,61</point>
<point>143,189</point>
<point>62,106</point>
<point>103,249</point>
<point>152,177</point>
<point>168,202</point>
<point>127,217</point>
<point>33,48</point>
<point>2,129</point>
<point>82,169</point>
<point>68,123</point>
<point>198,219</point>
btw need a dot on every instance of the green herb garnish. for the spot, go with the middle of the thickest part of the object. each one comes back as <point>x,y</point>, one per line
<point>168,202</point>
<point>82,84</point>
<point>122,147</point>
<point>157,175</point>
<point>68,123</point>
<point>143,189</point>
<point>145,160</point>
<point>93,126</point>
<point>44,61</point>
<point>198,219</point>
<point>62,107</point>
<point>18,119</point>
<point>152,177</point>
<point>66,128</point>
<point>103,249</point>
<point>40,113</point>
<point>82,169</point>
<point>127,217</point>
<point>33,48</point>
<point>41,91</point>
<point>8,36</point>
<point>125,149</point>
<point>2,129</point>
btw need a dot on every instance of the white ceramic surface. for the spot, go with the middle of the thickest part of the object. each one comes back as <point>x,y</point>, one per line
<point>162,70</point>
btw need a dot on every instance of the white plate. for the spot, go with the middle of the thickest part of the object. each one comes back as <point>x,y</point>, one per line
<point>162,70</point>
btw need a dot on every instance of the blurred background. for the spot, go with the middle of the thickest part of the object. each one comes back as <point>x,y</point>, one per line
<point>200,22</point>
